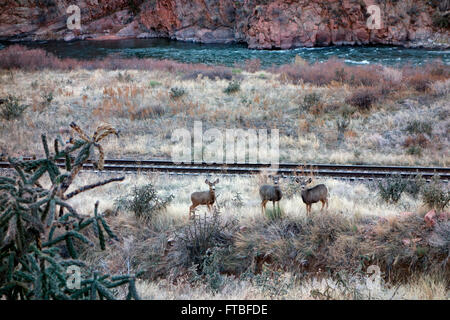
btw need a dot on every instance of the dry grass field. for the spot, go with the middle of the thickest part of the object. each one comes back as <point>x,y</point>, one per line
<point>330,113</point>
<point>355,208</point>
<point>326,113</point>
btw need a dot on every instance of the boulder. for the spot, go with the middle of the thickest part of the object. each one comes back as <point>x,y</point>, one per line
<point>431,218</point>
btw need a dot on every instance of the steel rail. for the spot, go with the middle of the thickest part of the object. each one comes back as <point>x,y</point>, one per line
<point>325,170</point>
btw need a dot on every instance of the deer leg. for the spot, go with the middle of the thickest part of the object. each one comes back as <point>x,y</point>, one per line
<point>263,206</point>
<point>323,205</point>
<point>273,203</point>
<point>191,209</point>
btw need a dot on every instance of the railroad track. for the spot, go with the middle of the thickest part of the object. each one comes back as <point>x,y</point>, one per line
<point>324,170</point>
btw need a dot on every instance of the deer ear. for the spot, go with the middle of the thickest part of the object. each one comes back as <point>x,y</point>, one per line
<point>309,180</point>
<point>269,176</point>
<point>297,180</point>
<point>207,181</point>
<point>217,181</point>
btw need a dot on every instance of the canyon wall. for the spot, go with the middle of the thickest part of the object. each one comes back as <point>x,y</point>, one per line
<point>262,24</point>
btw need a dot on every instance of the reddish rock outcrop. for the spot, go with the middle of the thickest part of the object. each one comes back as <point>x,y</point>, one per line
<point>432,217</point>
<point>262,24</point>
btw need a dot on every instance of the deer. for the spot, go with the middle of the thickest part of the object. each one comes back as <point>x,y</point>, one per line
<point>313,195</point>
<point>204,197</point>
<point>270,193</point>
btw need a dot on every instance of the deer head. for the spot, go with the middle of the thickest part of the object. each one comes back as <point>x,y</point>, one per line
<point>212,185</point>
<point>275,179</point>
<point>303,182</point>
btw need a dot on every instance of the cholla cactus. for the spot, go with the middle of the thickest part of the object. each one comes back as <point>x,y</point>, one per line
<point>31,265</point>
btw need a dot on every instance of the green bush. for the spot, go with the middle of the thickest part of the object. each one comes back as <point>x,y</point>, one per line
<point>144,202</point>
<point>47,98</point>
<point>274,213</point>
<point>262,76</point>
<point>210,270</point>
<point>435,195</point>
<point>176,92</point>
<point>237,200</point>
<point>269,282</point>
<point>134,6</point>
<point>391,189</point>
<point>154,83</point>
<point>418,127</point>
<point>414,186</point>
<point>363,98</point>
<point>124,77</point>
<point>11,109</point>
<point>233,86</point>
<point>192,242</point>
<point>310,100</point>
<point>441,21</point>
<point>414,151</point>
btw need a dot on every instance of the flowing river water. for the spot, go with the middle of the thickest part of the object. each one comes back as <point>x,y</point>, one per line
<point>232,54</point>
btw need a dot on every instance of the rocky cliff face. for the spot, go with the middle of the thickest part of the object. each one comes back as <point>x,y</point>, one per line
<point>262,24</point>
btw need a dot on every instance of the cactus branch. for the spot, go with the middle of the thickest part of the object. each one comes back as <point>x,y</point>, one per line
<point>92,186</point>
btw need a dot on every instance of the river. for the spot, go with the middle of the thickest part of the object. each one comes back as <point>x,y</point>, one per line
<point>232,54</point>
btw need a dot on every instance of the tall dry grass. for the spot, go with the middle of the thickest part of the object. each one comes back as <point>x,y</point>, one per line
<point>21,57</point>
<point>138,96</point>
<point>323,256</point>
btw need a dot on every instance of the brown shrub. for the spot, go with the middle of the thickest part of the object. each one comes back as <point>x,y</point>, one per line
<point>20,57</point>
<point>388,79</point>
<point>252,65</point>
<point>362,75</point>
<point>323,73</point>
<point>416,141</point>
<point>364,98</point>
<point>155,111</point>
<point>422,77</point>
<point>331,107</point>
<point>317,109</point>
<point>438,68</point>
<point>221,73</point>
<point>419,82</point>
<point>317,74</point>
